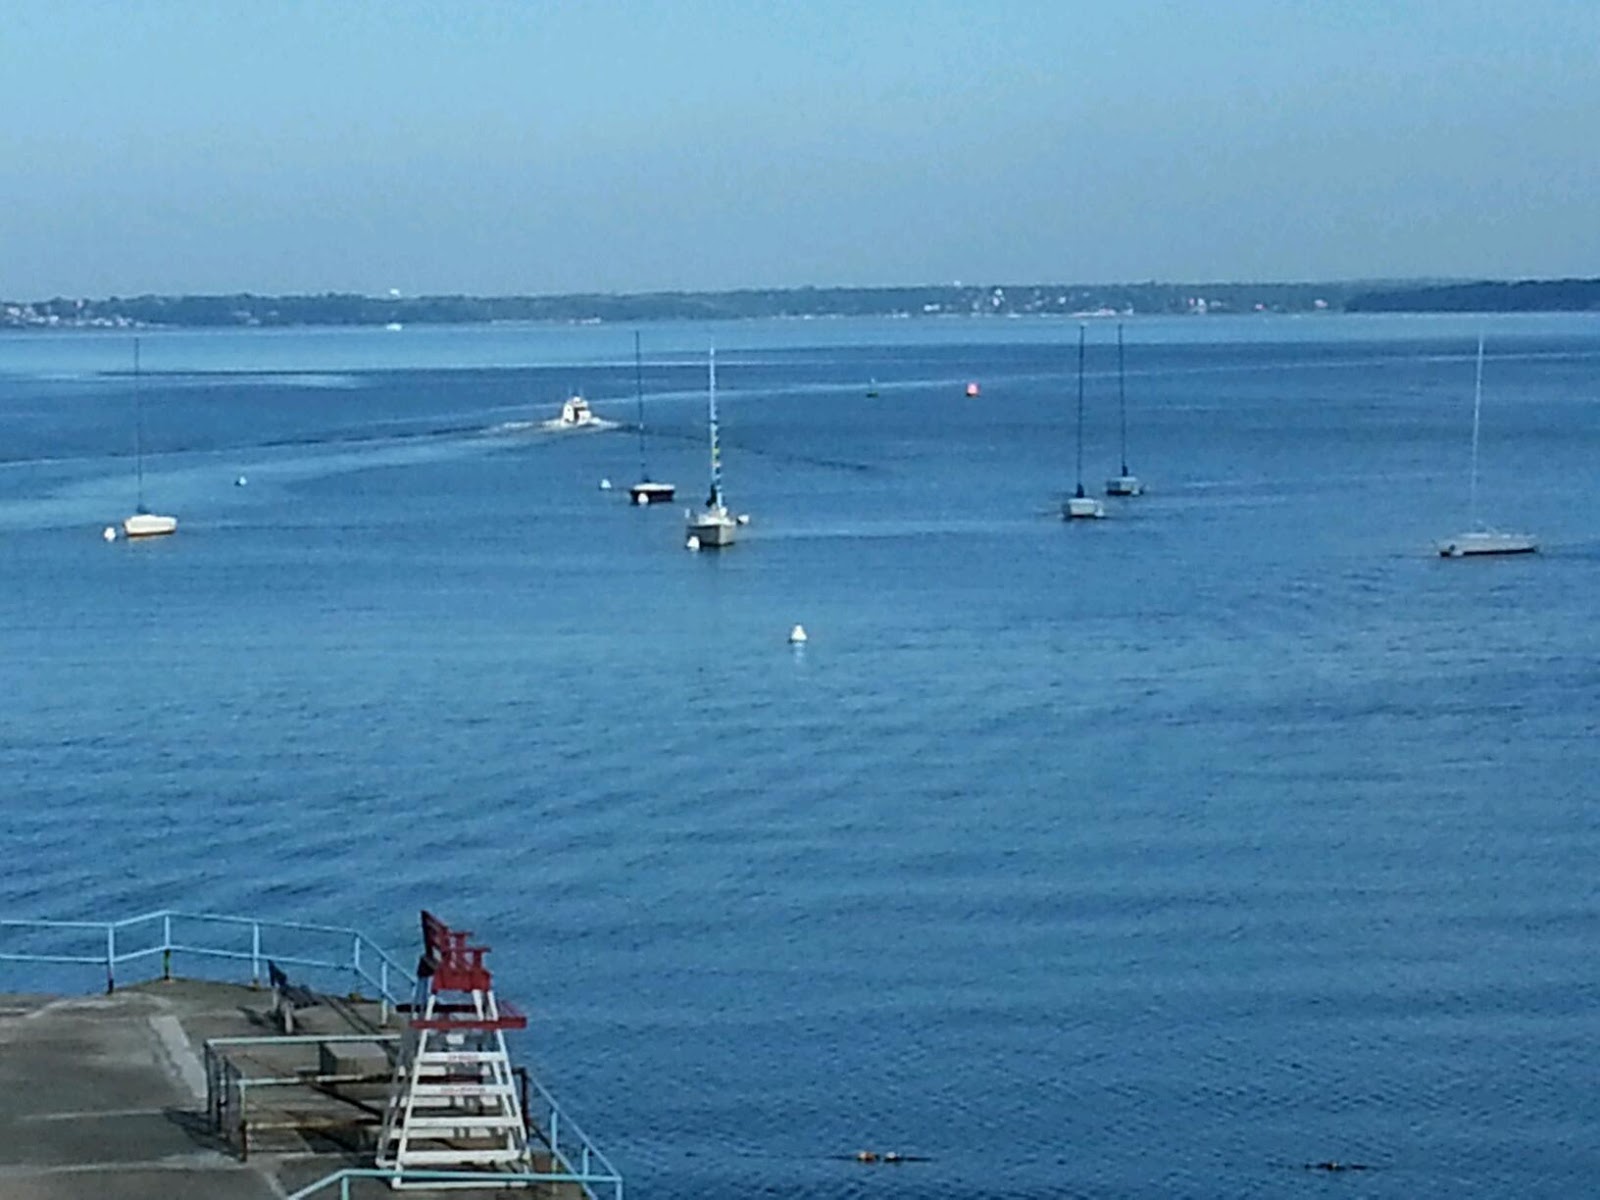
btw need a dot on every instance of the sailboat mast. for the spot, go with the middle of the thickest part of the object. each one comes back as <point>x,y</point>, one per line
<point>1081,330</point>
<point>1477,405</point>
<point>138,424</point>
<point>638,389</point>
<point>1122,401</point>
<point>716,447</point>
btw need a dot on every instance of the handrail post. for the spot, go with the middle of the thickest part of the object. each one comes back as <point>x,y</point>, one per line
<point>166,947</point>
<point>355,965</point>
<point>383,991</point>
<point>111,958</point>
<point>255,954</point>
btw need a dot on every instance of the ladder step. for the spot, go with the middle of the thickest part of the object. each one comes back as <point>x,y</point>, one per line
<point>459,1057</point>
<point>464,1121</point>
<point>424,1158</point>
<point>421,1090</point>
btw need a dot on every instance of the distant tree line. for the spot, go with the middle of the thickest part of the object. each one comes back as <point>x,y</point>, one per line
<point>1528,295</point>
<point>931,301</point>
<point>337,308</point>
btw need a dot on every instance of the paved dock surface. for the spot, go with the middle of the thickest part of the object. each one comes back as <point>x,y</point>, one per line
<point>105,1097</point>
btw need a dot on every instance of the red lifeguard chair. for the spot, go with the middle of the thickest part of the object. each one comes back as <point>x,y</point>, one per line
<point>454,1103</point>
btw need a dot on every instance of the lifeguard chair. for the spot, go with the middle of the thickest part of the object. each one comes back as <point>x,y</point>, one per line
<point>453,1103</point>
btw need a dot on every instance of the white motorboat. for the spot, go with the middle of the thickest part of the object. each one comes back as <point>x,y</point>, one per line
<point>575,412</point>
<point>1479,539</point>
<point>576,416</point>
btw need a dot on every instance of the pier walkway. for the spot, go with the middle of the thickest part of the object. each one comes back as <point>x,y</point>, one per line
<point>192,1089</point>
<point>106,1096</point>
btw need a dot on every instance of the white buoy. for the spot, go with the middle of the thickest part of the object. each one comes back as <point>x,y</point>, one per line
<point>605,485</point>
<point>109,533</point>
<point>797,636</point>
<point>693,543</point>
<point>240,482</point>
<point>744,518</point>
<point>641,499</point>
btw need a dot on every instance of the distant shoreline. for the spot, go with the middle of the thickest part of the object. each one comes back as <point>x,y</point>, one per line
<point>247,310</point>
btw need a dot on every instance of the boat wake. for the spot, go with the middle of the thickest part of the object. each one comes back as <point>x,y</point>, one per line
<point>557,425</point>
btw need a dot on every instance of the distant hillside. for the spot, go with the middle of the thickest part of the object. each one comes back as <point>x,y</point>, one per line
<point>939,300</point>
<point>915,302</point>
<point>1529,295</point>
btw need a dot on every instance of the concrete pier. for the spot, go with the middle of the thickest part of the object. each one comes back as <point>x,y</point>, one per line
<point>105,1096</point>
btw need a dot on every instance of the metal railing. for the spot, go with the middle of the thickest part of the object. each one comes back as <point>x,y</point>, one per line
<point>130,950</point>
<point>572,1151</point>
<point>229,1088</point>
<point>341,1180</point>
<point>152,945</point>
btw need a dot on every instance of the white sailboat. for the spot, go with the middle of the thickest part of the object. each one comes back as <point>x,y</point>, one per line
<point>143,522</point>
<point>1127,483</point>
<point>647,491</point>
<point>1479,539</point>
<point>1080,505</point>
<point>713,526</point>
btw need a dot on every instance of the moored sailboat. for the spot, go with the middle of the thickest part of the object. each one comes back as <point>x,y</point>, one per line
<point>1479,539</point>
<point>713,526</point>
<point>646,491</point>
<point>143,523</point>
<point>1080,505</point>
<point>1127,483</point>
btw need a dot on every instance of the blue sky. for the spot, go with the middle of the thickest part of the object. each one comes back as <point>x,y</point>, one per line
<point>531,146</point>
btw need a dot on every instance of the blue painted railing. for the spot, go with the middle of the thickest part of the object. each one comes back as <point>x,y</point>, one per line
<point>341,1180</point>
<point>156,945</point>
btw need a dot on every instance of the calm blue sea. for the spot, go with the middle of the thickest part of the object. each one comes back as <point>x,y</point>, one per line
<point>1152,857</point>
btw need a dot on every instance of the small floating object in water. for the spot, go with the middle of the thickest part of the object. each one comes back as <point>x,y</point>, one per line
<point>240,482</point>
<point>693,543</point>
<point>641,498</point>
<point>109,533</point>
<point>605,485</point>
<point>394,327</point>
<point>744,518</point>
<point>972,389</point>
<point>888,1156</point>
<point>1334,1165</point>
<point>797,635</point>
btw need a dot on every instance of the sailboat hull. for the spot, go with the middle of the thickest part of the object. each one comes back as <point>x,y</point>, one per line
<point>1079,508</point>
<point>649,492</point>
<point>1486,542</point>
<point>142,525</point>
<point>714,530</point>
<point>1124,485</point>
